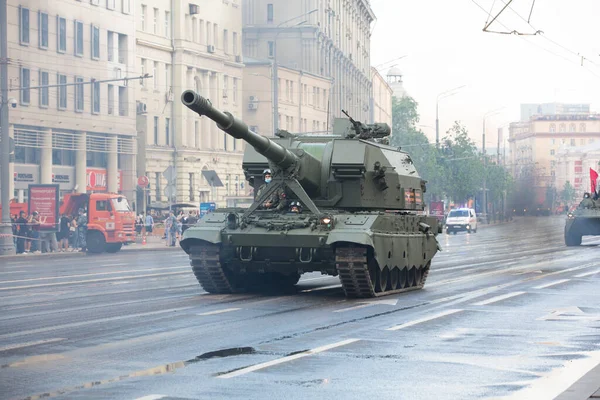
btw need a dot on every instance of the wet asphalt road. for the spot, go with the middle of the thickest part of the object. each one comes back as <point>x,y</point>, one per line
<point>507,312</point>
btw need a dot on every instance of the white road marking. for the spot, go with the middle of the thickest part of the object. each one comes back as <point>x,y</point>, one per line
<point>558,380</point>
<point>94,274</point>
<point>553,283</point>
<point>587,273</point>
<point>220,311</point>
<point>29,344</point>
<point>426,319</point>
<point>498,298</point>
<point>320,288</point>
<point>113,265</point>
<point>152,397</point>
<point>267,364</point>
<point>91,281</point>
<point>390,302</point>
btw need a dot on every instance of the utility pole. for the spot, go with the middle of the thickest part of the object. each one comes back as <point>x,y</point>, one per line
<point>440,96</point>
<point>6,241</point>
<point>490,113</point>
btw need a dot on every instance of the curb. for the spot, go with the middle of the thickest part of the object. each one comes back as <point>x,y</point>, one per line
<point>20,257</point>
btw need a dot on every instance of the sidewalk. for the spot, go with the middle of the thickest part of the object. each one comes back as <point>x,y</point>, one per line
<point>153,243</point>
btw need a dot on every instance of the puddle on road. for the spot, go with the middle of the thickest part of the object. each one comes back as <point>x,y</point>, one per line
<point>160,370</point>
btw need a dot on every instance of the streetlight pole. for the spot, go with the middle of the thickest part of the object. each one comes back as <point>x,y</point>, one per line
<point>488,114</point>
<point>275,68</point>
<point>441,96</point>
<point>6,241</point>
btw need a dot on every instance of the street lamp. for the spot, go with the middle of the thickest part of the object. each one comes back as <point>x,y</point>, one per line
<point>441,96</point>
<point>485,116</point>
<point>275,76</point>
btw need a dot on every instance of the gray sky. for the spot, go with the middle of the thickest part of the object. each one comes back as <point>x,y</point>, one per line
<point>446,48</point>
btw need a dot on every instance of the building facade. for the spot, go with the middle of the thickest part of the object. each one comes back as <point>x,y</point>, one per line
<point>573,165</point>
<point>328,38</point>
<point>530,110</point>
<point>535,145</point>
<point>302,99</point>
<point>195,45</point>
<point>394,79</point>
<point>381,104</point>
<point>74,121</point>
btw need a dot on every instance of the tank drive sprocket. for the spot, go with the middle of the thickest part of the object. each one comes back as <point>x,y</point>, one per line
<point>206,265</point>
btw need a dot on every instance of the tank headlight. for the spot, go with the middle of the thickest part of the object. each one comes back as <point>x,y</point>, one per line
<point>570,216</point>
<point>326,220</point>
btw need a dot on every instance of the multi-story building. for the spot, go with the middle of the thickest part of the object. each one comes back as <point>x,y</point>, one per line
<point>573,165</point>
<point>191,46</point>
<point>534,145</point>
<point>74,123</point>
<point>381,104</point>
<point>302,99</point>
<point>530,110</point>
<point>329,38</point>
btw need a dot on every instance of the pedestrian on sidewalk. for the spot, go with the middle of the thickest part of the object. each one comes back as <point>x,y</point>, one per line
<point>23,243</point>
<point>63,233</point>
<point>34,233</point>
<point>171,227</point>
<point>149,223</point>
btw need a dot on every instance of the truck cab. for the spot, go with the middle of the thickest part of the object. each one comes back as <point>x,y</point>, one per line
<point>111,221</point>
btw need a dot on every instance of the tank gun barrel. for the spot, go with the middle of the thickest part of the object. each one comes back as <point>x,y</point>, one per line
<point>275,153</point>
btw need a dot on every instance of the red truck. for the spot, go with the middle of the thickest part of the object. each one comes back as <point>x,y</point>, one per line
<point>111,222</point>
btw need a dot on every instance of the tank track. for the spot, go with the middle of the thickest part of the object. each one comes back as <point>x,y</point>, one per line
<point>352,264</point>
<point>206,265</point>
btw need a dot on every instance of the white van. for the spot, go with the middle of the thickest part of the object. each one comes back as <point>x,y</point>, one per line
<point>461,219</point>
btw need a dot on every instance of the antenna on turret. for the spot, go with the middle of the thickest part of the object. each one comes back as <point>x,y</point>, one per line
<point>356,124</point>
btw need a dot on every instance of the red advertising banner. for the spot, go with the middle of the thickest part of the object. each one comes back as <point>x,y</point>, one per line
<point>436,208</point>
<point>44,200</point>
<point>97,180</point>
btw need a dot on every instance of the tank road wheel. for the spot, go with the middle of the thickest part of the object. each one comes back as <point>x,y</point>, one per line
<point>382,279</point>
<point>403,278</point>
<point>394,277</point>
<point>572,239</point>
<point>95,242</point>
<point>113,247</point>
<point>206,265</point>
<point>411,277</point>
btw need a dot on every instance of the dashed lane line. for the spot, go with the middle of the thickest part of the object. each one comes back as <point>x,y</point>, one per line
<point>498,298</point>
<point>29,344</point>
<point>553,283</point>
<point>425,319</point>
<point>219,311</point>
<point>587,273</point>
<point>293,357</point>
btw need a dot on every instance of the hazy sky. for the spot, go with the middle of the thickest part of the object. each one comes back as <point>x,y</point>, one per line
<point>446,48</point>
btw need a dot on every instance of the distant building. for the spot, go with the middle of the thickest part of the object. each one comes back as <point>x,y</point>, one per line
<point>573,165</point>
<point>303,99</point>
<point>535,144</point>
<point>381,104</point>
<point>394,80</point>
<point>530,110</point>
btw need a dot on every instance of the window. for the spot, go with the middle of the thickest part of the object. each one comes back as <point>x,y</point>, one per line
<point>44,91</point>
<point>126,6</point>
<point>79,93</point>
<point>216,35</point>
<point>78,38</point>
<point>95,42</point>
<point>123,101</point>
<point>225,142</point>
<point>225,87</point>
<point>27,155</point>
<point>225,41</point>
<point>271,49</point>
<point>552,128</point>
<point>553,141</point>
<point>62,92</point>
<point>572,128</point>
<point>235,43</point>
<point>208,30</point>
<point>168,76</point>
<point>552,152</point>
<point>235,90</point>
<point>270,12</point>
<point>95,97</point>
<point>167,24</point>
<point>234,144</point>
<point>110,45</point>
<point>111,99</point>
<point>25,83</point>
<point>23,25</point>
<point>155,22</point>
<point>581,127</point>
<point>111,4</point>
<point>562,128</point>
<point>95,2</point>
<point>43,30</point>
<point>63,157</point>
<point>102,205</point>
<point>143,18</point>
<point>572,142</point>
<point>96,159</point>
<point>202,32</point>
<point>157,186</point>
<point>143,64</point>
<point>155,75</point>
<point>155,130</point>
<point>61,45</point>
<point>192,179</point>
<point>168,131</point>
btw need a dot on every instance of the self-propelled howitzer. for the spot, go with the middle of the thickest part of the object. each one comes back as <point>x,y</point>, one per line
<point>362,219</point>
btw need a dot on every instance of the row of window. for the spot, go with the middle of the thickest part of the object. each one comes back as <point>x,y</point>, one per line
<point>61,35</point>
<point>563,128</point>
<point>192,185</point>
<point>318,97</point>
<point>32,155</point>
<point>62,93</point>
<point>156,21</point>
<point>316,126</point>
<point>204,32</point>
<point>156,128</point>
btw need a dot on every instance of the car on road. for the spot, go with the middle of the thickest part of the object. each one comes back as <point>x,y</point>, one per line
<point>461,219</point>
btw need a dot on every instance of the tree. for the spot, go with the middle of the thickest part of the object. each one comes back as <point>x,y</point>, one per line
<point>567,195</point>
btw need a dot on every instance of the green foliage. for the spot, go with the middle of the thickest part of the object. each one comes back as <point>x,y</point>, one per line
<point>567,195</point>
<point>455,169</point>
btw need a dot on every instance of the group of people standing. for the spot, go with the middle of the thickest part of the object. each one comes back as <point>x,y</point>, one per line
<point>175,225</point>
